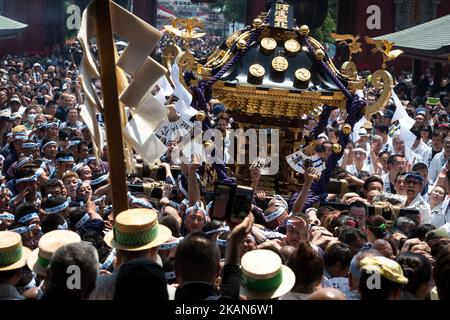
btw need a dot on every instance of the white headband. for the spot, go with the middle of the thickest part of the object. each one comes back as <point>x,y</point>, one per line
<point>28,217</point>
<point>142,202</point>
<point>19,136</point>
<point>221,242</point>
<point>7,216</point>
<point>221,229</point>
<point>74,143</point>
<point>82,221</point>
<point>78,167</point>
<point>65,159</point>
<point>194,208</point>
<point>63,226</point>
<point>280,198</point>
<point>23,161</point>
<point>59,208</point>
<point>27,179</point>
<point>21,230</point>
<point>274,215</point>
<point>29,145</point>
<point>49,143</point>
<point>88,159</point>
<point>39,172</point>
<point>51,124</point>
<point>100,179</point>
<point>170,245</point>
<point>109,260</point>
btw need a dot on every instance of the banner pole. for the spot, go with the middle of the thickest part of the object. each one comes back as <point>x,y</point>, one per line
<point>112,113</point>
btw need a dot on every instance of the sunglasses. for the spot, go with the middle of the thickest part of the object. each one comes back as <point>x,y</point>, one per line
<point>414,182</point>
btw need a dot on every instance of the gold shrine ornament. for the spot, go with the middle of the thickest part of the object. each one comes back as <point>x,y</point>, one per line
<point>347,129</point>
<point>242,44</point>
<point>200,116</point>
<point>303,74</point>
<point>302,77</point>
<point>304,30</point>
<point>292,47</point>
<point>336,148</point>
<point>257,23</point>
<point>256,73</point>
<point>280,64</point>
<point>268,45</point>
<point>320,54</point>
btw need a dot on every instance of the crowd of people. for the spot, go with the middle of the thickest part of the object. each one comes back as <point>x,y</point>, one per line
<point>201,47</point>
<point>56,208</point>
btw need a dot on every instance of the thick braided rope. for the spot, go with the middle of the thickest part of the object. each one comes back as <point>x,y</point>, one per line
<point>323,120</point>
<point>354,111</point>
<point>253,36</point>
<point>325,67</point>
<point>220,168</point>
<point>355,108</point>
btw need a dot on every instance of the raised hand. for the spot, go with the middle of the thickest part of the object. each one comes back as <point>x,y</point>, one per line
<point>309,176</point>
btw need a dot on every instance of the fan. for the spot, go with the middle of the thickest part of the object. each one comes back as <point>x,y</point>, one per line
<point>173,130</point>
<point>304,159</point>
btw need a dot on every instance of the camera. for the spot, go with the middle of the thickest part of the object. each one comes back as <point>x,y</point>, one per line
<point>231,202</point>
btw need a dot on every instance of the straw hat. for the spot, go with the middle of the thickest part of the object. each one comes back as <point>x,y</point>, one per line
<point>12,254</point>
<point>137,229</point>
<point>40,258</point>
<point>264,276</point>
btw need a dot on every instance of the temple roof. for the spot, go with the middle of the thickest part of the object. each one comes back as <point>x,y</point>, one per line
<point>428,39</point>
<point>9,28</point>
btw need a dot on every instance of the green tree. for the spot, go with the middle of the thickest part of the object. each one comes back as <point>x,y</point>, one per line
<point>322,34</point>
<point>233,10</point>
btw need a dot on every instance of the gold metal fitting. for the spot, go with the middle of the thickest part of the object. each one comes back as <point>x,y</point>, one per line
<point>200,116</point>
<point>256,73</point>
<point>242,44</point>
<point>349,70</point>
<point>257,23</point>
<point>304,30</point>
<point>320,54</point>
<point>347,129</point>
<point>280,64</point>
<point>302,77</point>
<point>292,47</point>
<point>336,148</point>
<point>268,45</point>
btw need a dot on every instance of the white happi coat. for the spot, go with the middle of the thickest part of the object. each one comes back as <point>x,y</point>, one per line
<point>424,208</point>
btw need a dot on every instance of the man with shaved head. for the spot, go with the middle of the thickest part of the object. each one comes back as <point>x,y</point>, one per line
<point>327,294</point>
<point>384,248</point>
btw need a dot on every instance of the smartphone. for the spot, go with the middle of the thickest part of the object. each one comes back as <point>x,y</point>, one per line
<point>223,194</point>
<point>231,202</point>
<point>242,203</point>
